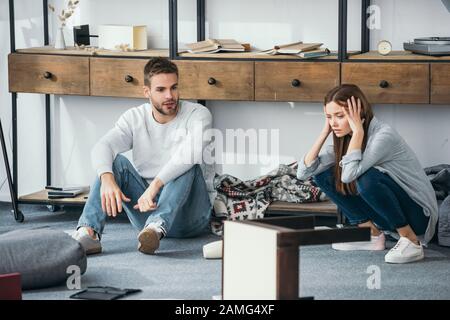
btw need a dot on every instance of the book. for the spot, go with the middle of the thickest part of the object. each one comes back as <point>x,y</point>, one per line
<point>71,193</point>
<point>61,197</point>
<point>64,188</point>
<point>216,45</point>
<point>315,53</point>
<point>292,48</point>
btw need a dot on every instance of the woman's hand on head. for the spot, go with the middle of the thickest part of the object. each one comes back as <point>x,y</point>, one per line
<point>326,127</point>
<point>353,114</point>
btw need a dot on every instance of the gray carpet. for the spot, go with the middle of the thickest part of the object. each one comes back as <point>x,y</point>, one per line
<point>180,272</point>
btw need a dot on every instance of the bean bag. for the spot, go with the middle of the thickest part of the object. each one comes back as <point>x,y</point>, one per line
<point>41,256</point>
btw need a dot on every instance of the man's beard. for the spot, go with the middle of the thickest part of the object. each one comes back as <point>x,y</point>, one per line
<point>159,108</point>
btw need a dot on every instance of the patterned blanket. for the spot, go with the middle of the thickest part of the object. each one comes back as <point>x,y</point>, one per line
<point>241,200</point>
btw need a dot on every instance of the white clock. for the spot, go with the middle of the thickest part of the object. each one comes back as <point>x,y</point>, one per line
<point>384,47</point>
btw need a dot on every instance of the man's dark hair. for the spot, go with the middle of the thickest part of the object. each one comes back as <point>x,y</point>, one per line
<point>156,66</point>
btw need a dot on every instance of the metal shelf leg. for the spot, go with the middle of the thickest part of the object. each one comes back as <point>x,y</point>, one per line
<point>18,215</point>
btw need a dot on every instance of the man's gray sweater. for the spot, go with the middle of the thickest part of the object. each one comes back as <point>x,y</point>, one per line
<point>159,150</point>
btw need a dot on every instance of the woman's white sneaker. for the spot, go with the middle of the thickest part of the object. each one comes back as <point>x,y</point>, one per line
<point>404,251</point>
<point>376,243</point>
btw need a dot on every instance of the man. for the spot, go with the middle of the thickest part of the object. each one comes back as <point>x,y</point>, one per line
<point>169,192</point>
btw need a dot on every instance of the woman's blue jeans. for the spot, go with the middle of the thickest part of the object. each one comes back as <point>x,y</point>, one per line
<point>380,199</point>
<point>183,206</point>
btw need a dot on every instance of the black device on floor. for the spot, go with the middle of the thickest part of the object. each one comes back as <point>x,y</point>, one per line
<point>103,293</point>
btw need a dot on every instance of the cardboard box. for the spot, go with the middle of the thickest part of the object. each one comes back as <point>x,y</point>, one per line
<point>111,36</point>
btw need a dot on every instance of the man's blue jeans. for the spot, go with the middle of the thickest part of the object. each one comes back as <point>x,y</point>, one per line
<point>380,199</point>
<point>183,206</point>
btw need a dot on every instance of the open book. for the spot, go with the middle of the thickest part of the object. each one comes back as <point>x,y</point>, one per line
<point>216,45</point>
<point>296,48</point>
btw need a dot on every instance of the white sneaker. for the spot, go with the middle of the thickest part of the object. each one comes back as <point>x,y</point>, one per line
<point>213,250</point>
<point>376,243</point>
<point>90,245</point>
<point>404,251</point>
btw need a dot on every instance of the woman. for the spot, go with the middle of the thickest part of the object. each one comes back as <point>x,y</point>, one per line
<point>373,176</point>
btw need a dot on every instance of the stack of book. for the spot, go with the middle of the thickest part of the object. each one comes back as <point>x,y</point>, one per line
<point>217,45</point>
<point>300,49</point>
<point>60,192</point>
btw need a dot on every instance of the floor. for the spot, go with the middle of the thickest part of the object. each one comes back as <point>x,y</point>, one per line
<point>180,272</point>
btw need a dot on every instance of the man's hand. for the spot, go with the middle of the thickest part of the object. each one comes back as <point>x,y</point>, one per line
<point>147,201</point>
<point>111,195</point>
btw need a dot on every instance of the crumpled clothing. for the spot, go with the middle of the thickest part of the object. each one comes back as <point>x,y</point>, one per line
<point>241,200</point>
<point>440,179</point>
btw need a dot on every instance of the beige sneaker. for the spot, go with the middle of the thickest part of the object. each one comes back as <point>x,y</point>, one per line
<point>148,240</point>
<point>90,245</point>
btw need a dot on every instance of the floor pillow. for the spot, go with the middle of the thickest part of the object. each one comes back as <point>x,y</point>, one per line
<point>42,256</point>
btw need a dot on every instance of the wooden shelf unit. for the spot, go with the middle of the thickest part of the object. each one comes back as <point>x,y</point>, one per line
<point>249,79</point>
<point>41,197</point>
<point>75,72</point>
<point>255,55</point>
<point>73,51</point>
<point>325,207</point>
<point>397,55</point>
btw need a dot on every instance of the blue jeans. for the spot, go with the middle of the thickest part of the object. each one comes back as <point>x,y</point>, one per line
<point>380,199</point>
<point>183,206</point>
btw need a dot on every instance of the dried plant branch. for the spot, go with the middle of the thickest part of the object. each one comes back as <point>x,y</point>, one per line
<point>123,47</point>
<point>67,12</point>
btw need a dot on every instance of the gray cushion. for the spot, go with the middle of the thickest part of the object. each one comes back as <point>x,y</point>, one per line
<point>444,223</point>
<point>41,256</point>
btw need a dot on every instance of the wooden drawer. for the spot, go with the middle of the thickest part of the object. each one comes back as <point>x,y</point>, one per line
<point>291,81</point>
<point>390,82</point>
<point>113,77</point>
<point>440,83</point>
<point>218,80</point>
<point>48,74</point>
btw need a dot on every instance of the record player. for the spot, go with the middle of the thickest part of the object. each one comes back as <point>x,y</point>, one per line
<point>432,46</point>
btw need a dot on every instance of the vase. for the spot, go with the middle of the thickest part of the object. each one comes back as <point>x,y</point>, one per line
<point>59,40</point>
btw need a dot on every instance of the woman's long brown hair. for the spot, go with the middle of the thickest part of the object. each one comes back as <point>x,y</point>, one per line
<point>339,95</point>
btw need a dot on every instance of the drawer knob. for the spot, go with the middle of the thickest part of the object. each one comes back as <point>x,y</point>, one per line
<point>47,75</point>
<point>128,78</point>
<point>212,81</point>
<point>296,83</point>
<point>384,84</point>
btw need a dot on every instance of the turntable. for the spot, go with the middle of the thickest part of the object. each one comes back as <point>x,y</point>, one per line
<point>432,46</point>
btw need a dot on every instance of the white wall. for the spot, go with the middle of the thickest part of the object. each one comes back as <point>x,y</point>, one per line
<point>80,121</point>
